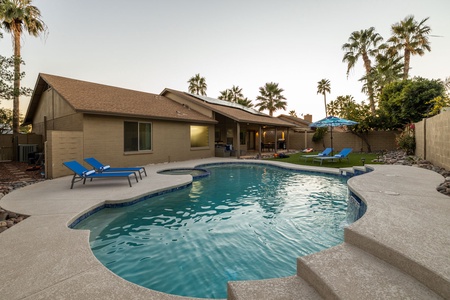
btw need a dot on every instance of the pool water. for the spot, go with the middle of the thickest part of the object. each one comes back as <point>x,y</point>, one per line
<point>243,222</point>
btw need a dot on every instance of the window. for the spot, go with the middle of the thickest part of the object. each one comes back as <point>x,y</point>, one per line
<point>137,136</point>
<point>199,136</point>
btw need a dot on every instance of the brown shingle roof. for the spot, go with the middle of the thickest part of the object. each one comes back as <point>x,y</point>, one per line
<point>88,97</point>
<point>234,113</point>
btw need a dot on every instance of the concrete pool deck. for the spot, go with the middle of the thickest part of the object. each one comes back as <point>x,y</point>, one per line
<point>399,249</point>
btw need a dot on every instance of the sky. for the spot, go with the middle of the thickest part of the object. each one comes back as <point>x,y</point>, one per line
<point>150,45</point>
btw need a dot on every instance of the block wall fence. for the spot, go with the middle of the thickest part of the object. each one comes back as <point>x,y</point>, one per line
<point>433,139</point>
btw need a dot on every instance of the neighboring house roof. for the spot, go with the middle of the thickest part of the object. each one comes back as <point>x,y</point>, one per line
<point>94,98</point>
<point>299,123</point>
<point>233,111</point>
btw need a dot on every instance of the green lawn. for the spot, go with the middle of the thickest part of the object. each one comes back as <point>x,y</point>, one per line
<point>354,159</point>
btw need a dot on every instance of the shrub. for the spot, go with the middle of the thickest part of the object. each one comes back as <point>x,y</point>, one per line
<point>319,134</point>
<point>407,142</point>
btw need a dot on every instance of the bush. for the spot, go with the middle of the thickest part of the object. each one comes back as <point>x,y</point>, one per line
<point>407,143</point>
<point>319,134</point>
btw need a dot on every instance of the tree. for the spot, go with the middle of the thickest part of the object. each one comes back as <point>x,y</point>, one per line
<point>363,44</point>
<point>293,113</point>
<point>447,84</point>
<point>197,85</point>
<point>388,68</point>
<point>225,95</point>
<point>7,79</point>
<point>270,98</point>
<point>18,16</point>
<point>233,95</point>
<point>245,102</point>
<point>411,37</point>
<point>346,107</point>
<point>323,87</point>
<point>411,100</point>
<point>6,119</point>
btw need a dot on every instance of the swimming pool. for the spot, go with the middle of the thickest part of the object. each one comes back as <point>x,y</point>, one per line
<point>242,222</point>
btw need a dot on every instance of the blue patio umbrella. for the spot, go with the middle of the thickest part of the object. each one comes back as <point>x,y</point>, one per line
<point>332,121</point>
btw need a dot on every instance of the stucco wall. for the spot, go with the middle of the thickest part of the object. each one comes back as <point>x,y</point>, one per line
<point>60,116</point>
<point>433,139</point>
<point>170,141</point>
<point>102,138</point>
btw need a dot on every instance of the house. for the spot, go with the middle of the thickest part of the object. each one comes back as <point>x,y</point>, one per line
<point>122,127</point>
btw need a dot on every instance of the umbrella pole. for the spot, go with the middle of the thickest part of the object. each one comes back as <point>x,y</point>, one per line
<point>331,131</point>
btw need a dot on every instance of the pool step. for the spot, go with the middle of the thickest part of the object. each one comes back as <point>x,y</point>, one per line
<point>347,272</point>
<point>287,288</point>
<point>353,171</point>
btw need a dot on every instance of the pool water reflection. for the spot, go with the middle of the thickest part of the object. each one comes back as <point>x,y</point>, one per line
<point>242,222</point>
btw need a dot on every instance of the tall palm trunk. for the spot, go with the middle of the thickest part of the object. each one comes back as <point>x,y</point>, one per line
<point>16,111</point>
<point>407,57</point>
<point>325,103</point>
<point>368,68</point>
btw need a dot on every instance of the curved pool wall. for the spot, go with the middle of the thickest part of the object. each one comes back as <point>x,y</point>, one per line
<point>404,231</point>
<point>361,205</point>
<point>196,173</point>
<point>316,204</point>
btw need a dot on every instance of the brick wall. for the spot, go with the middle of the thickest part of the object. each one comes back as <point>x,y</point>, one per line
<point>433,139</point>
<point>62,146</point>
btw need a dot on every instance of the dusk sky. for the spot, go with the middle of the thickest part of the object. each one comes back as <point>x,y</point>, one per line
<point>152,45</point>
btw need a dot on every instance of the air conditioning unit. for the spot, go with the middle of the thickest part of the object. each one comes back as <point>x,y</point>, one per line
<point>24,150</point>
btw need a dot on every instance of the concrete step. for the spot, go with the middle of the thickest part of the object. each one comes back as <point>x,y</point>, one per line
<point>353,171</point>
<point>287,288</point>
<point>347,272</point>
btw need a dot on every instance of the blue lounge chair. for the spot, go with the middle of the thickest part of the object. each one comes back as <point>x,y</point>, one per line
<point>81,173</point>
<point>343,154</point>
<point>324,153</point>
<point>101,168</point>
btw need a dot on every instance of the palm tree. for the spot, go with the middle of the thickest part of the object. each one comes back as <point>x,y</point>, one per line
<point>17,16</point>
<point>226,95</point>
<point>412,37</point>
<point>323,87</point>
<point>197,85</point>
<point>245,102</point>
<point>388,69</point>
<point>447,83</point>
<point>236,93</point>
<point>293,113</point>
<point>363,44</point>
<point>233,95</point>
<point>271,98</point>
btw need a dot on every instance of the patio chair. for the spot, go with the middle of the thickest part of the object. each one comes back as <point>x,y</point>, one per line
<point>343,154</point>
<point>324,153</point>
<point>100,168</point>
<point>81,173</point>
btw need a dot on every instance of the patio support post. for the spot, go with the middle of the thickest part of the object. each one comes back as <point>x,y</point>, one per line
<point>260,141</point>
<point>238,140</point>
<point>275,147</point>
<point>306,139</point>
<point>286,140</point>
